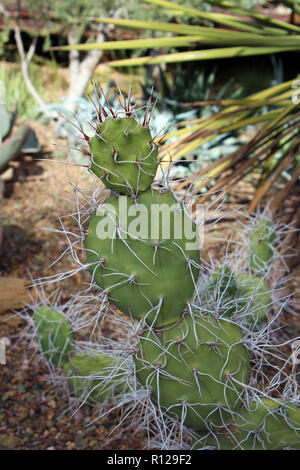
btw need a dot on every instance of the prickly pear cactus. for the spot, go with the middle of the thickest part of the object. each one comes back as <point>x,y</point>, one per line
<point>10,146</point>
<point>188,356</point>
<point>196,369</point>
<point>54,334</point>
<point>222,290</point>
<point>270,425</point>
<point>222,283</point>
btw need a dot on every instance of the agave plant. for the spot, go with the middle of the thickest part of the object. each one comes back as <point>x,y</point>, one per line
<point>175,105</point>
<point>10,147</point>
<point>188,85</point>
<point>272,151</point>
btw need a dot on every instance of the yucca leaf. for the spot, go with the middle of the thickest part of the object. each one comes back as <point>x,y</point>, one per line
<point>240,114</point>
<point>178,41</point>
<point>281,115</point>
<point>231,36</point>
<point>181,41</point>
<point>274,90</point>
<point>219,18</point>
<point>210,54</point>
<point>284,161</point>
<point>152,25</point>
<point>258,16</point>
<point>226,124</point>
<point>183,28</point>
<point>269,166</point>
<point>220,125</point>
<point>276,202</point>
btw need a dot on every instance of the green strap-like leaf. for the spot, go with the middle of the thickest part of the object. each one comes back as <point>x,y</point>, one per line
<point>153,25</point>
<point>219,18</point>
<point>178,41</point>
<point>211,54</point>
<point>258,16</point>
<point>181,41</point>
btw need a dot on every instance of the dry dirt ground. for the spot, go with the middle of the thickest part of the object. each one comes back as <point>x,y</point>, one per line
<point>33,414</point>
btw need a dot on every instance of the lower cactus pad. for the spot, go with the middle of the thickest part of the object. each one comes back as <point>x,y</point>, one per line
<point>196,369</point>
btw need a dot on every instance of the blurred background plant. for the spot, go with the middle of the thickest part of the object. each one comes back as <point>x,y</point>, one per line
<point>239,34</point>
<point>35,23</point>
<point>46,80</point>
<point>10,145</point>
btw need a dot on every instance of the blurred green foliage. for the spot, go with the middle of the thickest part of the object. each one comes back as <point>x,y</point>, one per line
<point>45,78</point>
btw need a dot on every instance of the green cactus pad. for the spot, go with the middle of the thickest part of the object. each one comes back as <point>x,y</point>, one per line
<point>124,156</point>
<point>196,369</point>
<point>266,425</point>
<point>242,294</point>
<point>262,245</point>
<point>11,147</point>
<point>5,122</point>
<point>222,283</point>
<point>54,334</point>
<point>218,441</point>
<point>270,424</point>
<point>145,276</point>
<point>91,377</point>
<point>254,297</point>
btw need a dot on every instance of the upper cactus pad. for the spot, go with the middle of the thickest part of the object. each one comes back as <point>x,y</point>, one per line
<point>124,155</point>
